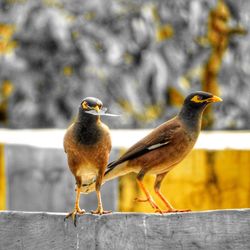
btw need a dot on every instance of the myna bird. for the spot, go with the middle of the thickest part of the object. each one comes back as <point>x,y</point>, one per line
<point>87,144</point>
<point>162,149</point>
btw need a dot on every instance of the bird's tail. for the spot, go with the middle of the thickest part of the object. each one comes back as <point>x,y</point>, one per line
<point>111,173</point>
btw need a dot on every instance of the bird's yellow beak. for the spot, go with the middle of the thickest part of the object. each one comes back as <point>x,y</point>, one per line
<point>97,108</point>
<point>214,99</point>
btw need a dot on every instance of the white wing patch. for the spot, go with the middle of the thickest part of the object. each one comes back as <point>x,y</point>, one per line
<point>158,145</point>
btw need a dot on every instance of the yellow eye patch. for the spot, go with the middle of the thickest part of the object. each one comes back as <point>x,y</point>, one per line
<point>197,99</point>
<point>85,105</point>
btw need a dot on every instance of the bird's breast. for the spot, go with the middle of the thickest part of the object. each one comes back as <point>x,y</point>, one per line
<point>87,135</point>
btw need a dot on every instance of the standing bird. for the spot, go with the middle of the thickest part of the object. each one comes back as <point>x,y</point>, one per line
<point>162,149</point>
<point>87,144</point>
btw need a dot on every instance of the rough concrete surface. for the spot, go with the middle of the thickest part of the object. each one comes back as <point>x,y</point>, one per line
<point>221,229</point>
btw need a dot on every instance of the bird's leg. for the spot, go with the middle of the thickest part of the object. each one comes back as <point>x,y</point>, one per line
<point>77,209</point>
<point>148,196</point>
<point>170,208</point>
<point>99,209</point>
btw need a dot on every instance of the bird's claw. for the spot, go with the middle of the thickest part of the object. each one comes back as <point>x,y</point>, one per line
<point>74,215</point>
<point>158,210</point>
<point>100,211</point>
<point>173,210</point>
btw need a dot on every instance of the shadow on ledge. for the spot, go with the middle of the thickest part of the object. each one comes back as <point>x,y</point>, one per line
<point>220,229</point>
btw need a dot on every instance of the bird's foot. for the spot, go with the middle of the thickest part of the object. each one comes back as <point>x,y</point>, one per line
<point>100,211</point>
<point>173,210</point>
<point>151,202</point>
<point>74,214</point>
<point>158,210</point>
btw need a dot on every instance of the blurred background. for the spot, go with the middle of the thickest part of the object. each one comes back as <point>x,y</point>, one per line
<point>141,58</point>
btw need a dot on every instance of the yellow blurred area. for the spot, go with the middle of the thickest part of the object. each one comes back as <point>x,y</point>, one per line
<point>53,3</point>
<point>128,58</point>
<point>175,98</point>
<point>151,113</point>
<point>148,114</point>
<point>2,180</point>
<point>90,15</point>
<point>6,88</point>
<point>164,32</point>
<point>67,70</point>
<point>204,180</point>
<point>7,45</point>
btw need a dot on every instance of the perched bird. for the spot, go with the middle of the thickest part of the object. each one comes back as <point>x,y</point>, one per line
<point>87,144</point>
<point>162,149</point>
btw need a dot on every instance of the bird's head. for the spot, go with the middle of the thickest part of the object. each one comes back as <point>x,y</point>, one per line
<point>200,99</point>
<point>92,104</point>
<point>194,105</point>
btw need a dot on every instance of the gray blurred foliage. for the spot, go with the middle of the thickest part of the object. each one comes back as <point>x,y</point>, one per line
<point>67,50</point>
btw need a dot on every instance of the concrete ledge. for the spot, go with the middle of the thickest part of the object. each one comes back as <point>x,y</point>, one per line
<point>221,229</point>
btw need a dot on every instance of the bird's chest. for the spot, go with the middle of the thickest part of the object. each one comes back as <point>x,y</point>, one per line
<point>87,135</point>
<point>93,154</point>
<point>87,152</point>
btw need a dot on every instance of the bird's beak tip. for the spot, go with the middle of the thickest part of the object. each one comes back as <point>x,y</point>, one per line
<point>97,109</point>
<point>216,99</point>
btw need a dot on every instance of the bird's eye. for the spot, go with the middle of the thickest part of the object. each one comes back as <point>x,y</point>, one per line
<point>85,105</point>
<point>197,99</point>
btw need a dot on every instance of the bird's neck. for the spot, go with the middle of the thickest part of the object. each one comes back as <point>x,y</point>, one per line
<point>87,119</point>
<point>86,128</point>
<point>191,117</point>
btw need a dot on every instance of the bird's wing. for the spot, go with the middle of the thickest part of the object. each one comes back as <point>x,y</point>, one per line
<point>159,137</point>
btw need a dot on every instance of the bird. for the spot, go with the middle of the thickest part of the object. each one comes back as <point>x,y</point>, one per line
<point>162,149</point>
<point>87,143</point>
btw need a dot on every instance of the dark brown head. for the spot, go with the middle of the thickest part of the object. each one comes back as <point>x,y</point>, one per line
<point>194,105</point>
<point>94,106</point>
<point>92,103</point>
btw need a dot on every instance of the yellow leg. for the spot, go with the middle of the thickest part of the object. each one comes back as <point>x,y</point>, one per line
<point>77,209</point>
<point>170,208</point>
<point>165,201</point>
<point>149,198</point>
<point>98,184</point>
<point>99,209</point>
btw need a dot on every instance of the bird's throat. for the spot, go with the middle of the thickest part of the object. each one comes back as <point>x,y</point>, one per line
<point>86,129</point>
<point>191,117</point>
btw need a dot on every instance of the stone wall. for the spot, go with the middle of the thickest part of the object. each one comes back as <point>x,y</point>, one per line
<point>225,229</point>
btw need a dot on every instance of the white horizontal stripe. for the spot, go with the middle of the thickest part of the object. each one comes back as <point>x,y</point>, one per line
<point>53,138</point>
